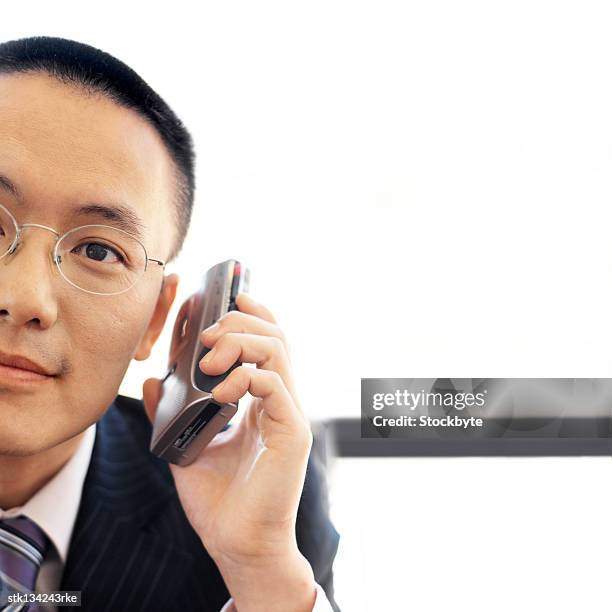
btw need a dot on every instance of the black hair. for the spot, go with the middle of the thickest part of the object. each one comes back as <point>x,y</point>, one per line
<point>96,71</point>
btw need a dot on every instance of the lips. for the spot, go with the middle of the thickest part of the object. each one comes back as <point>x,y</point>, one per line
<point>17,361</point>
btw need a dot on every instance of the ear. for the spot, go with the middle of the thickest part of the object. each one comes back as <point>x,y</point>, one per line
<point>156,324</point>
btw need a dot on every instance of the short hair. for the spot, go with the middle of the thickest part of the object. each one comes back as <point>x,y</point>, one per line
<point>96,71</point>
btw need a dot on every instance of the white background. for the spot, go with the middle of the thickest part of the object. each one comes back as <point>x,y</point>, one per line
<point>420,189</point>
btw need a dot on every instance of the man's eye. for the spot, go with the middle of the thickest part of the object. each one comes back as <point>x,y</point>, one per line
<point>98,252</point>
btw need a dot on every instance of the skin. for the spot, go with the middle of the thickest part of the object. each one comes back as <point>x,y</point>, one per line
<point>242,493</point>
<point>63,148</point>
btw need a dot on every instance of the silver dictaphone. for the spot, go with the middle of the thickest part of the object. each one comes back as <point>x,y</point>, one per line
<point>187,416</point>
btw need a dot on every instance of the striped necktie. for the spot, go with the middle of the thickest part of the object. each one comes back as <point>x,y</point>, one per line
<point>23,545</point>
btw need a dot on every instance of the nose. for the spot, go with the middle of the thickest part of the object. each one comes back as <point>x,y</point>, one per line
<point>27,295</point>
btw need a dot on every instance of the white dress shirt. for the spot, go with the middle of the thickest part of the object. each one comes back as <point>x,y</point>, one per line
<point>54,509</point>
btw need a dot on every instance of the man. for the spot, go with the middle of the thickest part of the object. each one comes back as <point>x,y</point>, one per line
<point>96,189</point>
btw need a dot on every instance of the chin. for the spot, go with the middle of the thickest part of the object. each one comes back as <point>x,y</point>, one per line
<point>19,448</point>
<point>20,437</point>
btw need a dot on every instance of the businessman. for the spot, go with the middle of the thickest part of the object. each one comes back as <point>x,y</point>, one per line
<point>96,193</point>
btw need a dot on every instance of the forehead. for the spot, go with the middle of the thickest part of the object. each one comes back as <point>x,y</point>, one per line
<point>63,148</point>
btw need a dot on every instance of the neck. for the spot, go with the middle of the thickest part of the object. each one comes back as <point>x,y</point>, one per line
<point>22,477</point>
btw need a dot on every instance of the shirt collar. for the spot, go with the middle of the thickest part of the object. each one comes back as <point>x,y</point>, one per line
<point>54,507</point>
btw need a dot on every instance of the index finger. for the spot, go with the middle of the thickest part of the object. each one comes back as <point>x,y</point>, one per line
<point>247,304</point>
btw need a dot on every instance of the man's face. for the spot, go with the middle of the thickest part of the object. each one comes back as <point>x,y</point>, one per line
<point>62,149</point>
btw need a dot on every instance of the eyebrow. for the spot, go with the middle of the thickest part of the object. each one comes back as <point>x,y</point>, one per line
<point>121,216</point>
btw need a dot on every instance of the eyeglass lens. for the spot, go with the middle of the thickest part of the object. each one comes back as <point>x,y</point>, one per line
<point>95,258</point>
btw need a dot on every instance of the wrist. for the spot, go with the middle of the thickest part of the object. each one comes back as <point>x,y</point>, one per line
<point>279,583</point>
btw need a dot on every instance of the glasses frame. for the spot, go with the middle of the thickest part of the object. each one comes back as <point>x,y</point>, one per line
<point>59,237</point>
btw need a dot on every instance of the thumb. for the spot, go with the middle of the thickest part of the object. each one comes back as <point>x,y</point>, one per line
<point>151,389</point>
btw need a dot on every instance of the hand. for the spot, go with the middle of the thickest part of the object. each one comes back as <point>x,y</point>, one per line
<point>242,493</point>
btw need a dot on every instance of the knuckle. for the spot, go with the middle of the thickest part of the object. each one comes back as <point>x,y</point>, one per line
<point>274,376</point>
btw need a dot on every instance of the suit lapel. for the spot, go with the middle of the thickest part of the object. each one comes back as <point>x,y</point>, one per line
<point>114,559</point>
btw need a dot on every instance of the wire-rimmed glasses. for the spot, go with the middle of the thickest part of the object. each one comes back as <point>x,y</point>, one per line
<point>95,258</point>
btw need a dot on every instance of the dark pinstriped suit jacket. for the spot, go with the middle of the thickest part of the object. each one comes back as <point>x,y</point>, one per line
<point>132,546</point>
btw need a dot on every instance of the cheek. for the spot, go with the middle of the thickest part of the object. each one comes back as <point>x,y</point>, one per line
<point>99,341</point>
<point>104,339</point>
